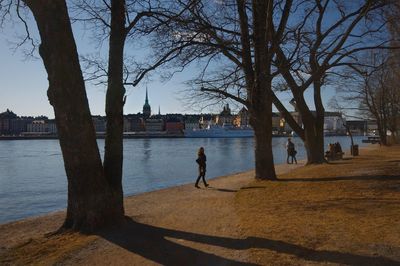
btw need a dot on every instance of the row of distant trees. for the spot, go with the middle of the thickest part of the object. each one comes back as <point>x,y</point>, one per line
<point>245,50</point>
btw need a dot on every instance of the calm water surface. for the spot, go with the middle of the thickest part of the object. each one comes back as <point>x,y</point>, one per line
<point>33,181</point>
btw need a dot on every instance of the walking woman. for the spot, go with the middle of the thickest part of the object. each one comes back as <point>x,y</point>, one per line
<point>291,151</point>
<point>201,161</point>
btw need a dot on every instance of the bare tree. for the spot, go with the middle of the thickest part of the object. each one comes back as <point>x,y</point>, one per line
<point>180,36</point>
<point>233,46</point>
<point>117,24</point>
<point>371,92</point>
<point>310,42</point>
<point>374,93</point>
<point>120,22</point>
<point>92,200</point>
<point>115,17</point>
<point>326,37</point>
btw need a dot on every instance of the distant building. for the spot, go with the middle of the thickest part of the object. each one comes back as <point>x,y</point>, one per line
<point>225,117</point>
<point>192,122</point>
<point>206,119</point>
<point>174,125</point>
<point>99,123</point>
<point>357,127</point>
<point>127,124</point>
<point>20,124</point>
<point>154,125</point>
<point>334,123</point>
<point>134,123</point>
<point>51,126</point>
<point>5,122</point>
<point>276,122</point>
<point>372,127</point>
<point>38,126</point>
<point>243,118</point>
<point>137,124</point>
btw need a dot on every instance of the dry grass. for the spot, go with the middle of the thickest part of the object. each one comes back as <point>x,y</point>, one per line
<point>45,250</point>
<point>344,213</point>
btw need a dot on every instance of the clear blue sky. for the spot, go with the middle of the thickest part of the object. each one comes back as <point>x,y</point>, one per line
<point>23,84</point>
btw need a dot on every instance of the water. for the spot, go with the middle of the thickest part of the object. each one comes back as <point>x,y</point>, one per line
<point>33,181</point>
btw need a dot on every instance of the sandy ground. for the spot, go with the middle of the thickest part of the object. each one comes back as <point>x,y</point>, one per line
<point>343,213</point>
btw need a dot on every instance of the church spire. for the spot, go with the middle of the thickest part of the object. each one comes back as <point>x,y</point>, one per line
<point>146,107</point>
<point>159,110</point>
<point>147,98</point>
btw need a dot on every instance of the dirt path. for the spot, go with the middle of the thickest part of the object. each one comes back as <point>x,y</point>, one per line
<point>343,213</point>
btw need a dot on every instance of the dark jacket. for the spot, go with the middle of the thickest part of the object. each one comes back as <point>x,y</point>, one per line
<point>290,148</point>
<point>201,160</point>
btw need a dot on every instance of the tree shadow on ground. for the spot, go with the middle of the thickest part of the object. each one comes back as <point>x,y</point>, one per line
<point>343,178</point>
<point>233,190</point>
<point>345,160</point>
<point>223,189</point>
<point>252,187</point>
<point>151,242</point>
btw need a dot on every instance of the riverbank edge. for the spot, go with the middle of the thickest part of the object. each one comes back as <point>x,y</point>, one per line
<point>132,136</point>
<point>26,231</point>
<point>63,211</point>
<point>281,168</point>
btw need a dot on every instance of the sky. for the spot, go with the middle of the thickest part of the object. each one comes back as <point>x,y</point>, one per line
<point>23,83</point>
<point>23,87</point>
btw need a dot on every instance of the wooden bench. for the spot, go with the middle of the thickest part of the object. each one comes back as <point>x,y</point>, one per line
<point>334,156</point>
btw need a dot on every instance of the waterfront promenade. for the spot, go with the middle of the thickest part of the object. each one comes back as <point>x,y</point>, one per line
<point>345,212</point>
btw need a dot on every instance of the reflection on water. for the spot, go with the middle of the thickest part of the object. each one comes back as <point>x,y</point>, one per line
<point>33,181</point>
<point>146,150</point>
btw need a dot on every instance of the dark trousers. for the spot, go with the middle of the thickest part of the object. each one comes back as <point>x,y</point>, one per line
<point>202,174</point>
<point>291,155</point>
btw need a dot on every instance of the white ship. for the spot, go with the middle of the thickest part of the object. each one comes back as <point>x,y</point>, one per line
<point>216,131</point>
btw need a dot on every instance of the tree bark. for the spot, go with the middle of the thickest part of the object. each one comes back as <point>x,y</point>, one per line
<point>91,203</point>
<point>382,133</point>
<point>312,132</point>
<point>261,92</point>
<point>261,121</point>
<point>315,131</point>
<point>314,143</point>
<point>113,155</point>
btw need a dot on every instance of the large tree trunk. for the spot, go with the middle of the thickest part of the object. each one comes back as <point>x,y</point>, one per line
<point>314,129</point>
<point>312,133</point>
<point>314,143</point>
<point>261,92</point>
<point>261,122</point>
<point>90,201</point>
<point>382,134</point>
<point>113,155</point>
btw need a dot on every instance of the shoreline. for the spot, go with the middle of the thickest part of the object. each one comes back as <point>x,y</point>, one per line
<point>143,135</point>
<point>279,168</point>
<point>344,212</point>
<point>14,233</point>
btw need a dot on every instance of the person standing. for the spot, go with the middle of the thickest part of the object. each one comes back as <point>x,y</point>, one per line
<point>291,151</point>
<point>201,161</point>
